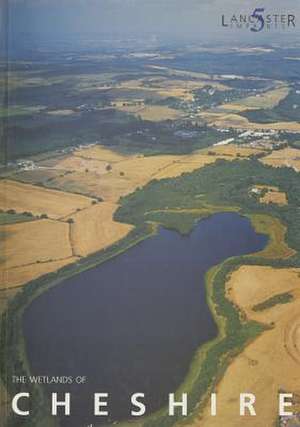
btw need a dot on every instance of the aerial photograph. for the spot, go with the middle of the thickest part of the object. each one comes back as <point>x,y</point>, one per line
<point>149,213</point>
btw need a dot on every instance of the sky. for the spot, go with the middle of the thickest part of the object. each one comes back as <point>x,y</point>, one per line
<point>199,19</point>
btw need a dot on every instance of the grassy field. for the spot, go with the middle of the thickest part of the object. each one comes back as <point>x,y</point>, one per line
<point>267,224</point>
<point>14,218</point>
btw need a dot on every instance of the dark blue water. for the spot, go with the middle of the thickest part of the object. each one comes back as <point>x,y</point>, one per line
<point>133,323</point>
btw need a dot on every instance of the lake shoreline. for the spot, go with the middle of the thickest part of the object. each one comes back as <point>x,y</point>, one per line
<point>36,288</point>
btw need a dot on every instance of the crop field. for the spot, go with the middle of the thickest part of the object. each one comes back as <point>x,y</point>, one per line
<point>239,122</point>
<point>204,157</point>
<point>94,229</point>
<point>256,369</point>
<point>268,99</point>
<point>157,113</point>
<point>288,157</point>
<point>15,278</point>
<point>22,247</point>
<point>24,197</point>
<point>273,195</point>
<point>187,164</point>
<point>101,153</point>
<point>233,150</point>
<point>85,183</point>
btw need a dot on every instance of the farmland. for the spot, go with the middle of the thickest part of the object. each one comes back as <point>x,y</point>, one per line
<point>253,369</point>
<point>103,148</point>
<point>77,200</point>
<point>289,157</point>
<point>24,197</point>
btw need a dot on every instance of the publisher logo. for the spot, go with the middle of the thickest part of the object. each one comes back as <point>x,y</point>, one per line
<point>260,20</point>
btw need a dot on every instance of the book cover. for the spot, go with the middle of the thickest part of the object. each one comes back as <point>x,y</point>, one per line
<point>150,213</point>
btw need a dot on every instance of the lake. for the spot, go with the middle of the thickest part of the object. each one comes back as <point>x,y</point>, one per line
<point>133,323</point>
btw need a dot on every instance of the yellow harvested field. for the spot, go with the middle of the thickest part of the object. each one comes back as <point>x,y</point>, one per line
<point>289,157</point>
<point>269,99</point>
<point>191,162</point>
<point>223,120</point>
<point>157,113</point>
<point>81,164</point>
<point>246,290</point>
<point>127,175</point>
<point>270,363</point>
<point>35,241</point>
<point>139,170</point>
<point>12,279</point>
<point>94,229</point>
<point>232,150</point>
<point>274,196</point>
<point>123,177</point>
<point>100,153</point>
<point>179,167</point>
<point>184,88</point>
<point>37,200</point>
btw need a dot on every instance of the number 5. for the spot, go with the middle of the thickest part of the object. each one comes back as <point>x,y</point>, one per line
<point>257,14</point>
